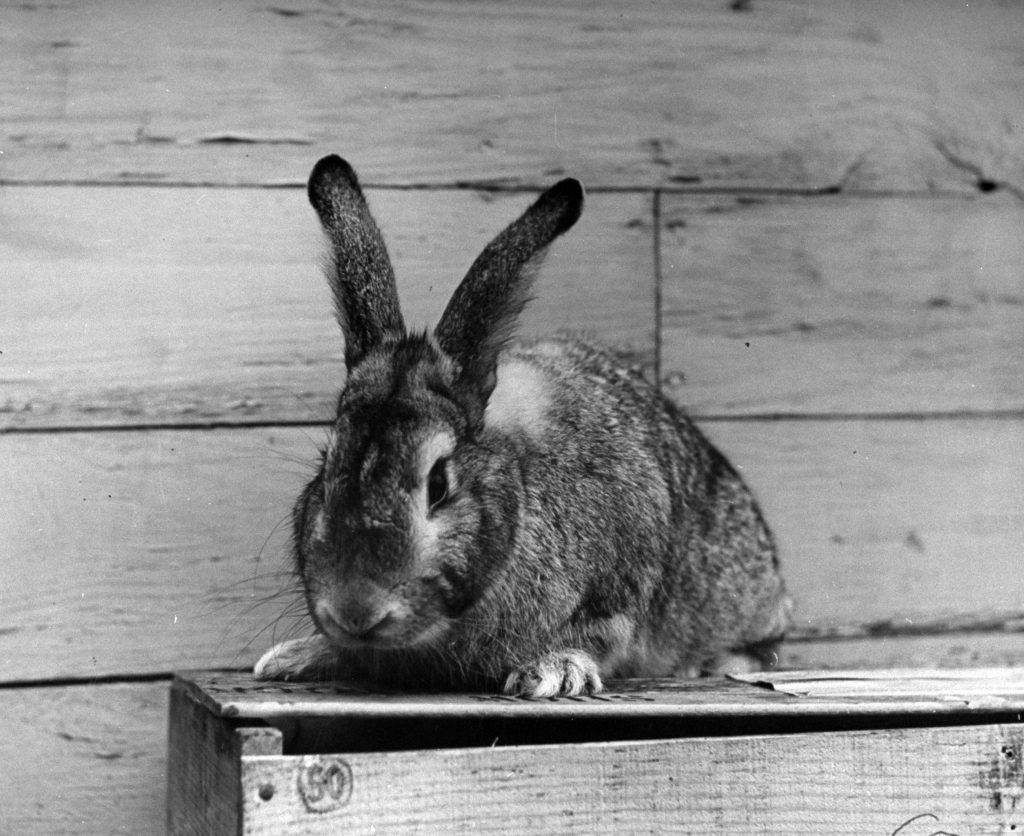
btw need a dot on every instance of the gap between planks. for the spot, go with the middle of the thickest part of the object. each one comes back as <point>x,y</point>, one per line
<point>983,187</point>
<point>724,418</point>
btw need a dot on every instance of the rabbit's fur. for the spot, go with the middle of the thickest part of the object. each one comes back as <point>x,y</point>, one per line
<point>535,517</point>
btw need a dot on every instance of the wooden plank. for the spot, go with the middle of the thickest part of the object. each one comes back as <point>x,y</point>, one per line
<point>981,688</point>
<point>848,305</point>
<point>236,695</point>
<point>667,94</point>
<point>84,760</point>
<point>910,781</point>
<point>977,692</point>
<point>950,649</point>
<point>168,550</point>
<point>837,305</point>
<point>204,764</point>
<point>910,519</point>
<point>160,550</point>
<point>179,306</point>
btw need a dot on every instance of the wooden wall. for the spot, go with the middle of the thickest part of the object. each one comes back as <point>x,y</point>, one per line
<point>805,217</point>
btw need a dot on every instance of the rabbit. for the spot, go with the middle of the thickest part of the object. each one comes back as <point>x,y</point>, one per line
<point>531,517</point>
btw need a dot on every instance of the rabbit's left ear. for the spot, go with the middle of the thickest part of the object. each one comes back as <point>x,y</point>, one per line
<point>360,271</point>
<point>482,313</point>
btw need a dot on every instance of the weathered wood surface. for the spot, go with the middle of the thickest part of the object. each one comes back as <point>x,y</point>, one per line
<point>133,553</point>
<point>833,305</point>
<point>159,550</point>
<point>836,305</point>
<point>867,95</point>
<point>907,781</point>
<point>178,306</point>
<point>130,306</point>
<point>204,768</point>
<point>843,694</point>
<point>965,773</point>
<point>92,760</point>
<point>84,760</point>
<point>948,644</point>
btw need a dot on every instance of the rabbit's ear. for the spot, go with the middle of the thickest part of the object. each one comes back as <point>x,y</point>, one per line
<point>359,270</point>
<point>482,313</point>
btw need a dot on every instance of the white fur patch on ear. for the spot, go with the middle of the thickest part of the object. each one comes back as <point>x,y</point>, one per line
<point>520,399</point>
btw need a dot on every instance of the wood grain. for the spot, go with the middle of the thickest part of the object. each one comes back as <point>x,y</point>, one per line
<point>182,306</point>
<point>837,305</point>
<point>630,781</point>
<point>869,95</point>
<point>909,781</point>
<point>149,551</point>
<point>980,693</point>
<point>204,764</point>
<point>911,519</point>
<point>848,306</point>
<point>92,760</point>
<point>87,760</point>
<point>129,303</point>
<point>946,649</point>
<point>161,550</point>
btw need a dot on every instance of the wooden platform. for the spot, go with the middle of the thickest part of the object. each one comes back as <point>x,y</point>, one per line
<point>803,218</point>
<point>797,753</point>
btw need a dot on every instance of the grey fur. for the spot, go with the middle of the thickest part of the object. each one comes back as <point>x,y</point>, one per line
<point>593,533</point>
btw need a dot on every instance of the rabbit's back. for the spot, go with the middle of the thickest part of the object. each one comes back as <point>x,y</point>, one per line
<point>640,521</point>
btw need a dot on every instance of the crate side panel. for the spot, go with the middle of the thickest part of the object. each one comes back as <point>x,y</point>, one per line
<point>203,770</point>
<point>957,780</point>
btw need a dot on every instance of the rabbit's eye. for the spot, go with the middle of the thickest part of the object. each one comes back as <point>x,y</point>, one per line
<point>437,484</point>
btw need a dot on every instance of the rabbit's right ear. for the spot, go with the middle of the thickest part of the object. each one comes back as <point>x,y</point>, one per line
<point>359,270</point>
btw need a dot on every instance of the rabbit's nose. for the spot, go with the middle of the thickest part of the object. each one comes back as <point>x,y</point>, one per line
<point>365,625</point>
<point>356,620</point>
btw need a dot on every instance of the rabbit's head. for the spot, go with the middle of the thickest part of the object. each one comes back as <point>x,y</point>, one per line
<point>402,529</point>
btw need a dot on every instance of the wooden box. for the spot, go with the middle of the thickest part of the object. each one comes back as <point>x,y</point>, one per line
<point>914,753</point>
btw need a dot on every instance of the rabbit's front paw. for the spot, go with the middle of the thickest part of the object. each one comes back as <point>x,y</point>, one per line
<point>308,658</point>
<point>563,673</point>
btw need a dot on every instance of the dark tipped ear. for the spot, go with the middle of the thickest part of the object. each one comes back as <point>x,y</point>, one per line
<point>482,314</point>
<point>359,269</point>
